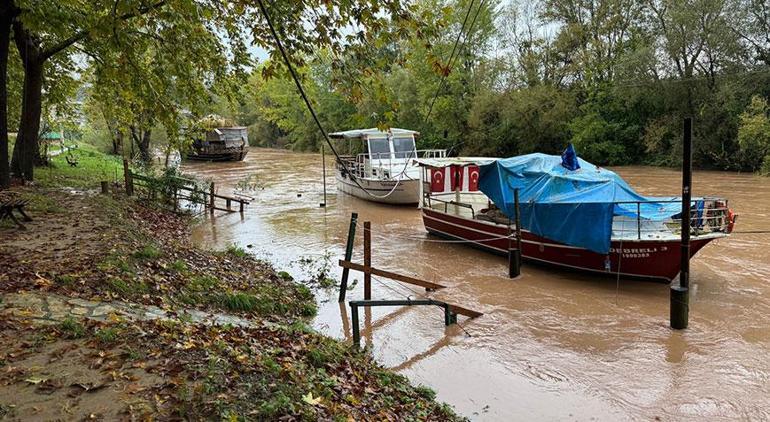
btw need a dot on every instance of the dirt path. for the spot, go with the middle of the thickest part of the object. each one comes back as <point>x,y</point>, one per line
<point>51,308</point>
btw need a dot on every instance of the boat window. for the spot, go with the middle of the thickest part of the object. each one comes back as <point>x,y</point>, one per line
<point>403,147</point>
<point>379,148</point>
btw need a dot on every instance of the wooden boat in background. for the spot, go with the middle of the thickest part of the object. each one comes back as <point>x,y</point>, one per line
<point>221,144</point>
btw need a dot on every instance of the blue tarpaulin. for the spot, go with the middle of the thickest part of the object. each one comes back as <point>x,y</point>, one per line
<point>574,207</point>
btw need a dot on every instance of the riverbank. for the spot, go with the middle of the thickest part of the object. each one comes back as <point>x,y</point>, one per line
<point>108,311</point>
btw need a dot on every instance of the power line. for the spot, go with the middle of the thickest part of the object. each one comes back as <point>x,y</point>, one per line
<point>304,96</point>
<point>451,59</point>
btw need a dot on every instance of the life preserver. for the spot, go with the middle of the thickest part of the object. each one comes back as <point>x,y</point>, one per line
<point>731,216</point>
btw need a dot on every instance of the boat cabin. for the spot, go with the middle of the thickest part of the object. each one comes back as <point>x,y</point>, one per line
<point>222,144</point>
<point>378,154</point>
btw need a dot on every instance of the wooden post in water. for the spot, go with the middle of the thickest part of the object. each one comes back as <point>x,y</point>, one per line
<point>323,165</point>
<point>348,255</point>
<point>680,297</point>
<point>211,198</point>
<point>367,260</point>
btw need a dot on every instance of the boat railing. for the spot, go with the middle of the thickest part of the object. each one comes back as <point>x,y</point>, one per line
<point>378,164</point>
<point>707,215</point>
<point>453,203</point>
<point>431,153</point>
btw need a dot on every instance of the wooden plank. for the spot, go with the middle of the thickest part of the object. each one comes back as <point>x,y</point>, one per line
<point>388,274</point>
<point>367,260</point>
<point>464,311</point>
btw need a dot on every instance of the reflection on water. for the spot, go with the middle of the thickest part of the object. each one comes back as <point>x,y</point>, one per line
<point>552,344</point>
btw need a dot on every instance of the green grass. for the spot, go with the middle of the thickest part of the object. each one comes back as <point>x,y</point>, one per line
<point>199,290</point>
<point>179,266</point>
<point>243,302</point>
<point>148,252</point>
<point>115,261</point>
<point>126,288</point>
<point>71,328</point>
<point>65,279</point>
<point>107,335</point>
<point>41,204</point>
<point>236,251</point>
<point>93,167</point>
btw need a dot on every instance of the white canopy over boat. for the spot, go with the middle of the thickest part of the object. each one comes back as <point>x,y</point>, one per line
<point>454,161</point>
<point>372,133</point>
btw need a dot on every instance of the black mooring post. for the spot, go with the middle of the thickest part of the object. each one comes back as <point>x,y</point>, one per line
<point>514,255</point>
<point>680,298</point>
<point>354,317</point>
<point>348,255</point>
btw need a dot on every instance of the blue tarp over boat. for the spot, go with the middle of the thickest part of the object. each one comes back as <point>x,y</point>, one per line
<point>574,207</point>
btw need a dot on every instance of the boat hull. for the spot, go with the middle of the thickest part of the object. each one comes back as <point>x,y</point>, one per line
<point>384,191</point>
<point>223,156</point>
<point>647,259</point>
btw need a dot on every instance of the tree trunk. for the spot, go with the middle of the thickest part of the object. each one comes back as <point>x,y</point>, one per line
<point>144,146</point>
<point>117,142</point>
<point>5,39</point>
<point>142,140</point>
<point>26,151</point>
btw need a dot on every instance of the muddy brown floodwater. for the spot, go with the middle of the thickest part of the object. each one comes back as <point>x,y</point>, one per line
<point>552,344</point>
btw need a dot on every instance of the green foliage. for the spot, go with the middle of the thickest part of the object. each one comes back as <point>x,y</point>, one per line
<point>754,134</point>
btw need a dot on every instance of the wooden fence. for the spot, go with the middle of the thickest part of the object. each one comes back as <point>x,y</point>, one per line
<point>179,188</point>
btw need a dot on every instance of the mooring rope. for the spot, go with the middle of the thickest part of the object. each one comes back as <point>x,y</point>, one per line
<point>302,93</point>
<point>391,234</point>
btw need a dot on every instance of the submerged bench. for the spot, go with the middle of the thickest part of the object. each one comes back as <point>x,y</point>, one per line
<point>9,206</point>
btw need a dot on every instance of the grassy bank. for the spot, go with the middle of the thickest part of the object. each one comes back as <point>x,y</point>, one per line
<point>116,250</point>
<point>93,166</point>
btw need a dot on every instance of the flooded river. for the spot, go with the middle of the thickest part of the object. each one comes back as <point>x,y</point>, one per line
<point>552,344</point>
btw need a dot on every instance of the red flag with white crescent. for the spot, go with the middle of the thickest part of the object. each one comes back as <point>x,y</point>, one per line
<point>473,178</point>
<point>436,180</point>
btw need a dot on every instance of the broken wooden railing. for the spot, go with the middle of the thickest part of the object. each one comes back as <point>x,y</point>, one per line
<point>176,189</point>
<point>450,310</point>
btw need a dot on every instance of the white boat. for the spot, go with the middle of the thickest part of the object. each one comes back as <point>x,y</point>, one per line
<point>385,170</point>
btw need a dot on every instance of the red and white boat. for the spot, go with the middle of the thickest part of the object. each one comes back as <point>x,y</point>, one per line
<point>454,208</point>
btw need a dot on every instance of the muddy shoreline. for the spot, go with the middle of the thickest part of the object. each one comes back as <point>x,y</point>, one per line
<point>110,312</point>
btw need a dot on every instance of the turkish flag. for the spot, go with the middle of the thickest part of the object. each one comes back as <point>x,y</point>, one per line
<point>473,178</point>
<point>436,180</point>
